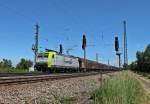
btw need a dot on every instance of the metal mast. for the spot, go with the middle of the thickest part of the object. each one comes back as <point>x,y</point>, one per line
<point>36,46</point>
<point>125,45</point>
<point>97,57</point>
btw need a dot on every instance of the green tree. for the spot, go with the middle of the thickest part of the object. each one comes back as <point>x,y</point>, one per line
<point>146,60</point>
<point>143,61</point>
<point>0,64</point>
<point>139,56</point>
<point>133,66</point>
<point>6,63</point>
<point>24,64</point>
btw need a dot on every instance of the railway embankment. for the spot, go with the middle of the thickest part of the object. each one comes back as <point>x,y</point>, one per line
<point>72,90</point>
<point>125,88</point>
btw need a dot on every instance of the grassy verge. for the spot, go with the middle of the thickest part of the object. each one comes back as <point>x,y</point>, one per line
<point>11,70</point>
<point>121,89</point>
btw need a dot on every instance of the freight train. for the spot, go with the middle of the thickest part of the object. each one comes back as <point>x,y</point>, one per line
<point>52,61</point>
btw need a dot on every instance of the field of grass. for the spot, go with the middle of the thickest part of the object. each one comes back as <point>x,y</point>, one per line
<point>120,89</point>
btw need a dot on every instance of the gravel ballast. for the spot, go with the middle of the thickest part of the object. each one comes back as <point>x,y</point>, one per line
<point>49,92</point>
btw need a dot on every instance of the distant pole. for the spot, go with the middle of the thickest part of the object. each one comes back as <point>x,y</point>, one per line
<point>119,60</point>
<point>119,56</point>
<point>36,41</point>
<point>96,57</point>
<point>85,58</point>
<point>125,45</point>
<point>108,61</point>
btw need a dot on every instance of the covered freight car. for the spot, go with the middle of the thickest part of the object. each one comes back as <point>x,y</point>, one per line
<point>90,65</point>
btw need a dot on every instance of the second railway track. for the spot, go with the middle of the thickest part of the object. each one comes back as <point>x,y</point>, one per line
<point>38,78</point>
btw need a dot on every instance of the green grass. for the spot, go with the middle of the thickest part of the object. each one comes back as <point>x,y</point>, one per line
<point>67,100</point>
<point>11,70</point>
<point>120,89</point>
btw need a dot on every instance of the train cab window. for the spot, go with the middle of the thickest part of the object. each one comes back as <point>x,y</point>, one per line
<point>42,55</point>
<point>45,55</point>
<point>53,56</point>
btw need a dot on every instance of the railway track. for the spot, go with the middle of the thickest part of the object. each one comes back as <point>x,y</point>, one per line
<point>22,74</point>
<point>43,77</point>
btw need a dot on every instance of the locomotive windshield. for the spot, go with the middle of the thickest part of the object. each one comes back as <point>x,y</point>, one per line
<point>42,55</point>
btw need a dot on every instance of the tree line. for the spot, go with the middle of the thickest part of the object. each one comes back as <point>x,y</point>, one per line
<point>24,64</point>
<point>142,62</point>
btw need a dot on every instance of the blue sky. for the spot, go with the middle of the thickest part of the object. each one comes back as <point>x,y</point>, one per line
<point>65,21</point>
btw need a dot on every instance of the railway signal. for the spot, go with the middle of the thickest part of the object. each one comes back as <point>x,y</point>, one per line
<point>118,53</point>
<point>60,49</point>
<point>84,49</point>
<point>84,42</point>
<point>116,44</point>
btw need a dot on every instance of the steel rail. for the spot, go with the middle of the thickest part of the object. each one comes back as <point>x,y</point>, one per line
<point>38,78</point>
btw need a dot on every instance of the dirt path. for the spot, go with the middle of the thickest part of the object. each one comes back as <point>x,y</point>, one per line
<point>145,83</point>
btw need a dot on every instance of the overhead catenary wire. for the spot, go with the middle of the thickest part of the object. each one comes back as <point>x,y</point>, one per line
<point>30,19</point>
<point>19,13</point>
